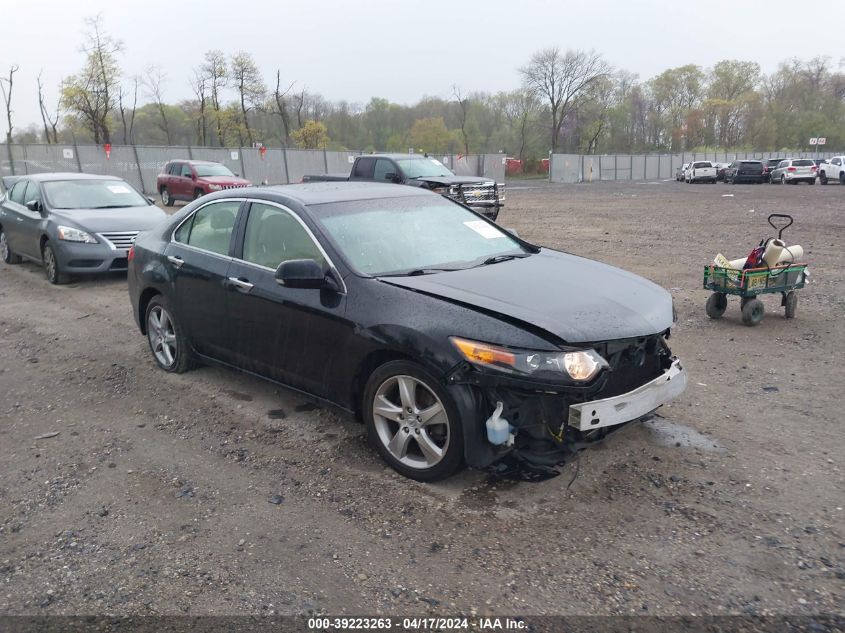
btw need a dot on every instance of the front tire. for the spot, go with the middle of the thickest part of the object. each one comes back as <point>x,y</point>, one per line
<point>167,342</point>
<point>167,199</point>
<point>52,269</point>
<point>752,312</point>
<point>823,178</point>
<point>6,252</point>
<point>413,421</point>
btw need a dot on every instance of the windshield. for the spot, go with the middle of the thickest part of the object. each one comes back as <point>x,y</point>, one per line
<point>92,194</point>
<point>423,167</point>
<point>212,169</point>
<point>401,235</point>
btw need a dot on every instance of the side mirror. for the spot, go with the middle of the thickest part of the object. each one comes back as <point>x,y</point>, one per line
<point>150,199</point>
<point>392,177</point>
<point>301,273</point>
<point>33,205</point>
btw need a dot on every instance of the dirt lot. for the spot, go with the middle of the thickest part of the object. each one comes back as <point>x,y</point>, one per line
<point>214,493</point>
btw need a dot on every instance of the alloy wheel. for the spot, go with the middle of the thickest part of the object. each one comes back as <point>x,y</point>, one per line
<point>165,197</point>
<point>411,422</point>
<point>162,336</point>
<point>49,263</point>
<point>4,247</point>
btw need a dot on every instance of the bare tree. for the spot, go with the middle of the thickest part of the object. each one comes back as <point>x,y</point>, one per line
<point>560,78</point>
<point>51,133</point>
<point>216,73</point>
<point>199,86</point>
<point>521,108</point>
<point>7,98</point>
<point>282,105</point>
<point>298,104</point>
<point>250,86</point>
<point>127,130</point>
<point>463,104</point>
<point>153,81</point>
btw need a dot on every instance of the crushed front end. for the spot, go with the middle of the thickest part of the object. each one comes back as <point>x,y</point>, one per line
<point>552,417</point>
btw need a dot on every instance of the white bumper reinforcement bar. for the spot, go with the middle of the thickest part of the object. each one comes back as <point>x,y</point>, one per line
<point>625,407</point>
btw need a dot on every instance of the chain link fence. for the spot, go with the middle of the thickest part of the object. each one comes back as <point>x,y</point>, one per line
<point>569,168</point>
<point>141,164</point>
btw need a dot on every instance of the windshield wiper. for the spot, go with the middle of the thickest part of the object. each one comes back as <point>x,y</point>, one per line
<point>502,258</point>
<point>113,206</point>
<point>419,271</point>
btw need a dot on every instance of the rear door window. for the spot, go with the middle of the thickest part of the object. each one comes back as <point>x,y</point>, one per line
<point>702,164</point>
<point>210,228</point>
<point>364,168</point>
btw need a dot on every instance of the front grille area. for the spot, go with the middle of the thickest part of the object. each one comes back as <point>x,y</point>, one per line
<point>121,240</point>
<point>482,193</point>
<point>632,363</point>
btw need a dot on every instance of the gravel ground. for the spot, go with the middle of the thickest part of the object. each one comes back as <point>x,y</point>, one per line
<point>216,493</point>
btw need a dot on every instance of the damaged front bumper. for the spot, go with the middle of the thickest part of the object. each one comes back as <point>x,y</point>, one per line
<point>596,414</point>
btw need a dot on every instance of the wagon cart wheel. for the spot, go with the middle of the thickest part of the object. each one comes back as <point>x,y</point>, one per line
<point>743,301</point>
<point>790,303</point>
<point>752,312</point>
<point>716,305</point>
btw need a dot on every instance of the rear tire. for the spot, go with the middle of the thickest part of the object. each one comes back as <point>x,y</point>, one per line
<point>823,178</point>
<point>52,269</point>
<point>6,251</point>
<point>166,199</point>
<point>170,348</point>
<point>752,312</point>
<point>410,444</point>
<point>717,303</point>
<point>783,180</point>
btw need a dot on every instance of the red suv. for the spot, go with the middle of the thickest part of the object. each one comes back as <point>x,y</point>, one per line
<point>190,179</point>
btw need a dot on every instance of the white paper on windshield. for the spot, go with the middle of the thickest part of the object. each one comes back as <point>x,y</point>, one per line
<point>118,189</point>
<point>483,229</point>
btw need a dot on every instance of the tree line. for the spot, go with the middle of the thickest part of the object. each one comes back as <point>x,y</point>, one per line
<point>568,101</point>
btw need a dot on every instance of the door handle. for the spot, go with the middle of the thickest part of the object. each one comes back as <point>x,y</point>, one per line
<point>241,285</point>
<point>176,261</point>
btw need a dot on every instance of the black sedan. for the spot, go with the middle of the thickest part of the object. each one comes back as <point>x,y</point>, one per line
<point>73,224</point>
<point>411,312</point>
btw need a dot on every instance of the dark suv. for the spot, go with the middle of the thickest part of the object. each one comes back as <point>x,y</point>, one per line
<point>769,165</point>
<point>750,171</point>
<point>190,179</point>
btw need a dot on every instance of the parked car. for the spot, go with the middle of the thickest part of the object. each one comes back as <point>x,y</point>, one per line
<point>832,169</point>
<point>700,171</point>
<point>794,170</point>
<point>769,165</point>
<point>750,171</point>
<point>680,174</point>
<point>190,179</point>
<point>73,224</point>
<point>481,194</point>
<point>410,311</point>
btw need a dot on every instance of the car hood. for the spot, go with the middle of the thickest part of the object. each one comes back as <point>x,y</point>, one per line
<point>455,180</point>
<point>106,220</point>
<point>575,299</point>
<point>224,180</point>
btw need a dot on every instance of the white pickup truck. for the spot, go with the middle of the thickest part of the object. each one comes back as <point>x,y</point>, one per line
<point>700,171</point>
<point>833,169</point>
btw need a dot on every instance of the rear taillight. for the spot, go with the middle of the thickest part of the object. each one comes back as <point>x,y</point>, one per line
<point>790,169</point>
<point>814,168</point>
<point>131,254</point>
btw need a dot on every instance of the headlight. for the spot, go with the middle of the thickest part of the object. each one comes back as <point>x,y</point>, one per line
<point>446,191</point>
<point>579,365</point>
<point>215,187</point>
<point>69,234</point>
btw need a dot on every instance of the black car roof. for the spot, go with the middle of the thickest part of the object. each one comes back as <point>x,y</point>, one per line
<point>325,192</point>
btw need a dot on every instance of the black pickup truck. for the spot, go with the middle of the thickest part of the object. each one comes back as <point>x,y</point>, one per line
<point>481,194</point>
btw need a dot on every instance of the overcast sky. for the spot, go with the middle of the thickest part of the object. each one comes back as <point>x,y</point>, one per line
<point>356,49</point>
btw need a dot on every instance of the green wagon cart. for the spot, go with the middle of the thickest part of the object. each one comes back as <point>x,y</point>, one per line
<point>751,282</point>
